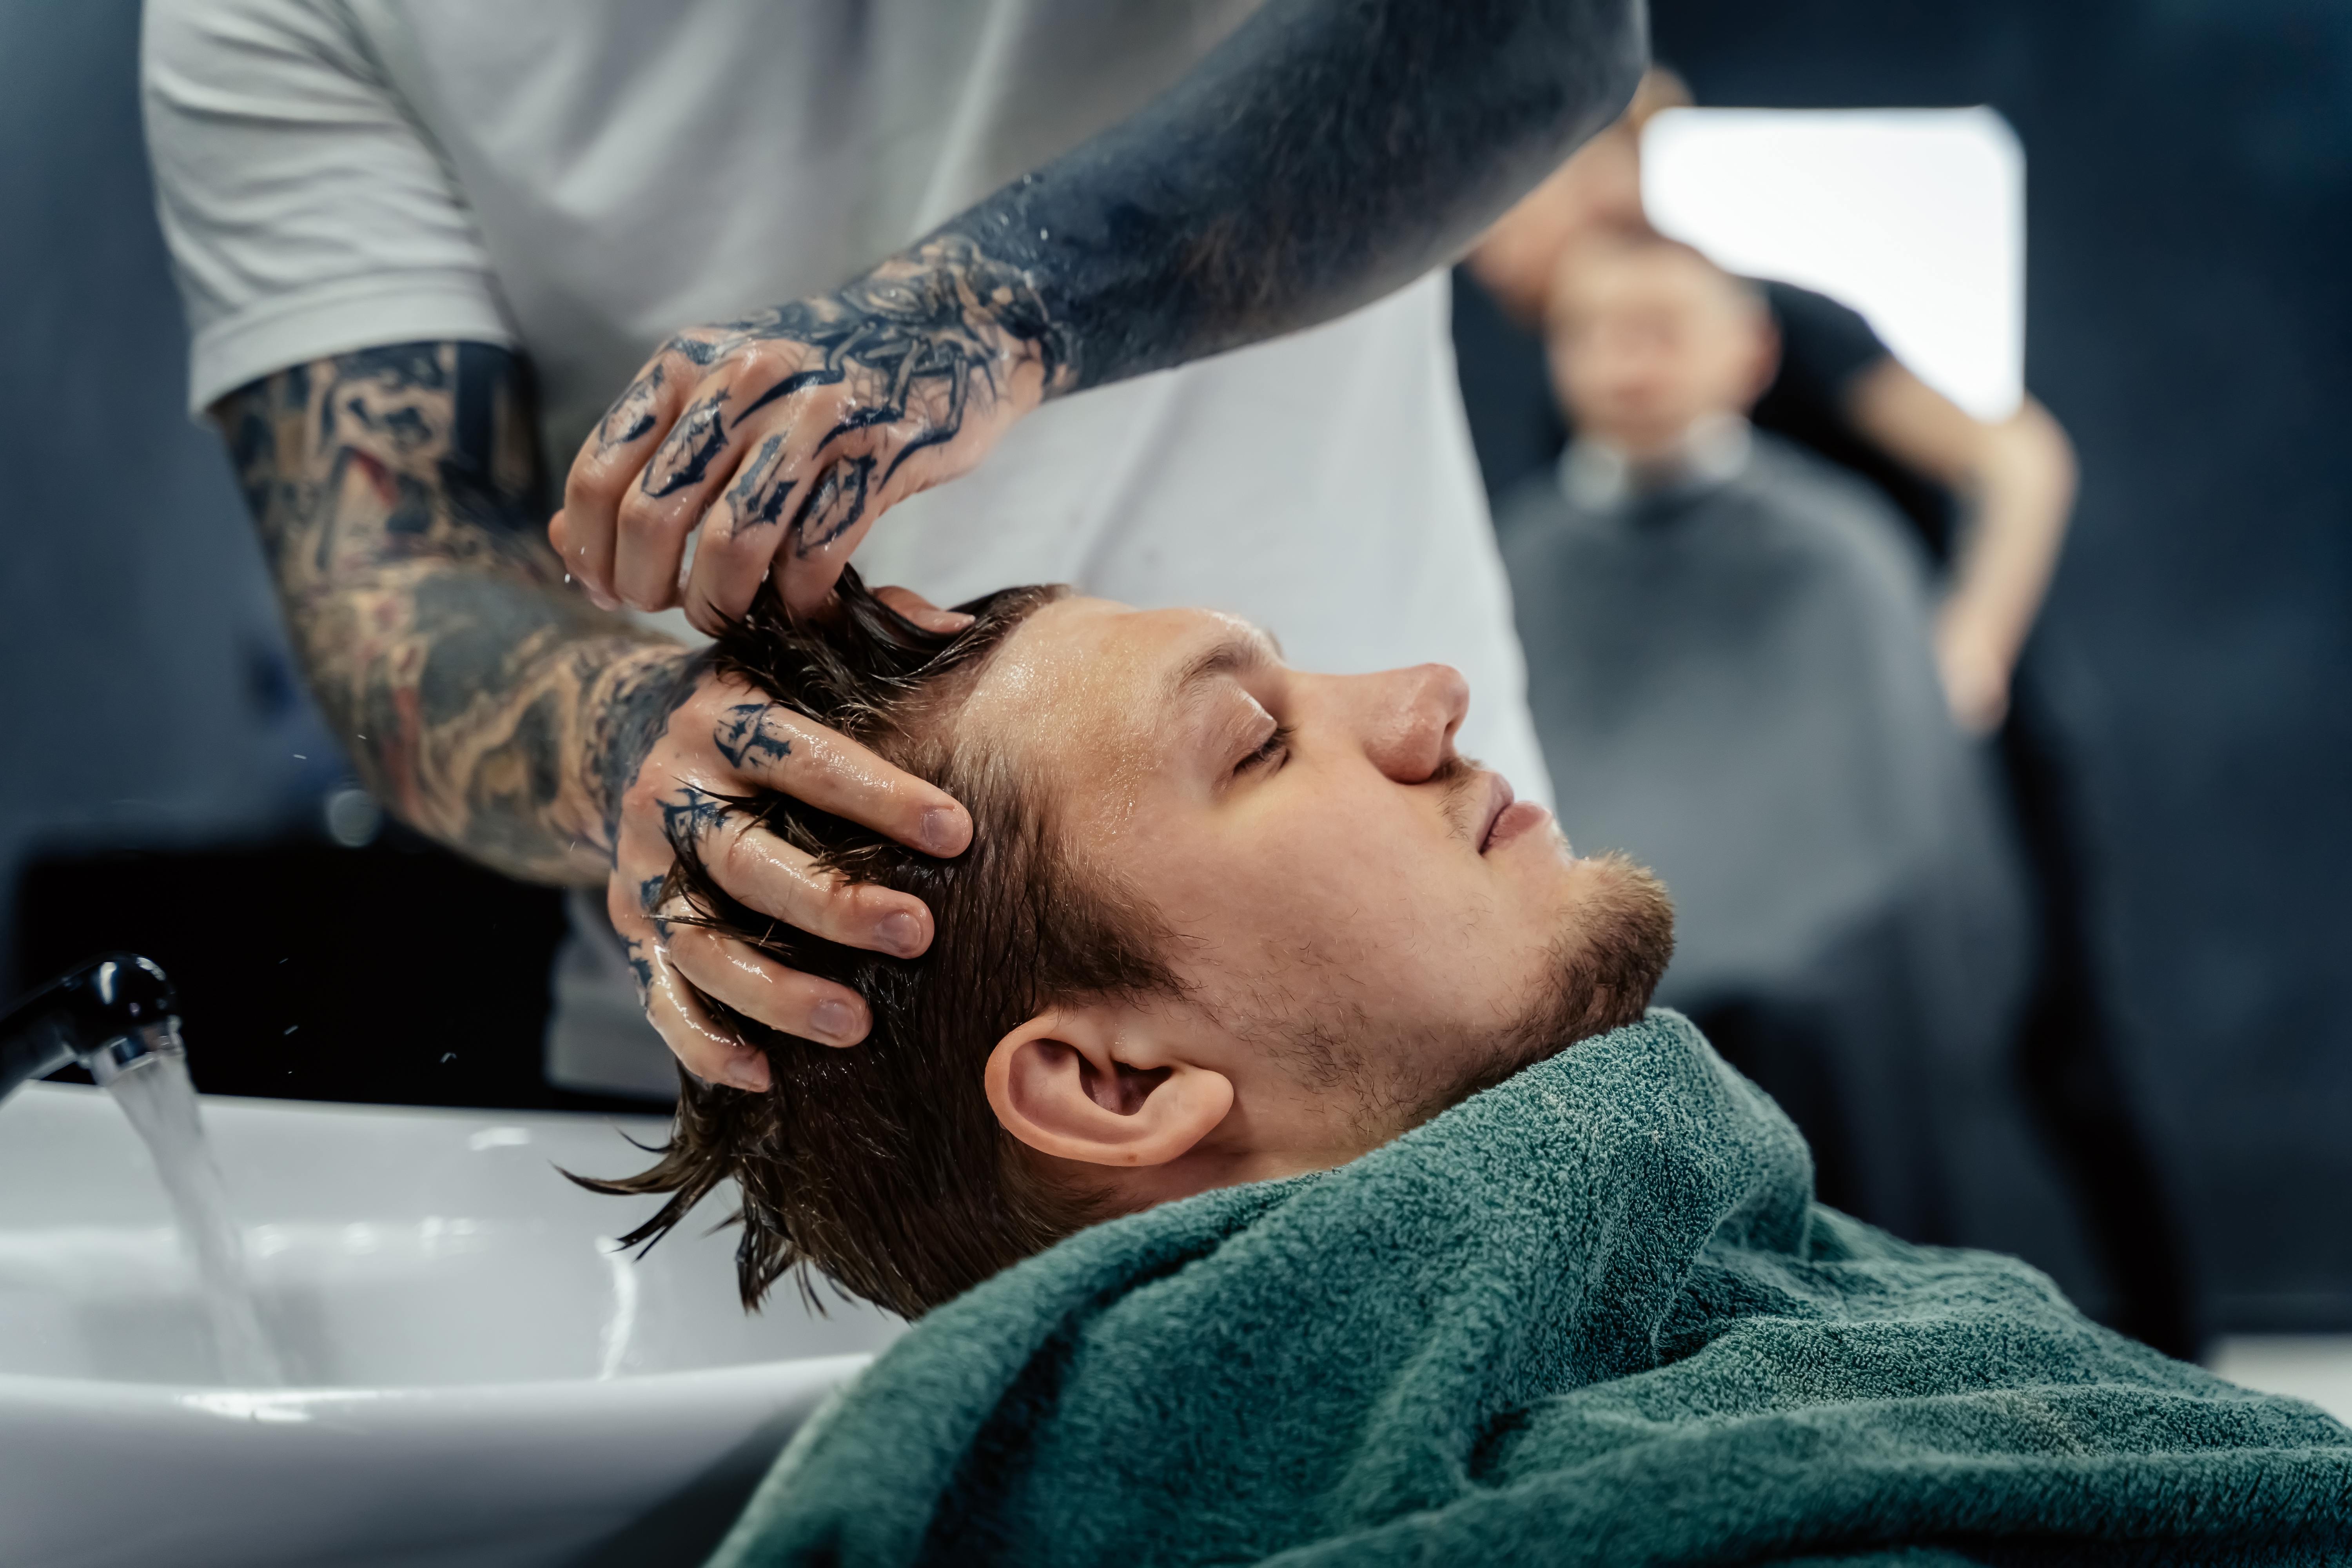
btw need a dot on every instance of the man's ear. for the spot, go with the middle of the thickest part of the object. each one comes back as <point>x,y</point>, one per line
<point>1106,1084</point>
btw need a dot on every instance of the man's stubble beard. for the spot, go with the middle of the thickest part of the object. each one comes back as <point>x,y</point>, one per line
<point>1600,976</point>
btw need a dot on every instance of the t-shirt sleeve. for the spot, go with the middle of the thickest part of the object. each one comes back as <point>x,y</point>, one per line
<point>306,212</point>
<point>1824,344</point>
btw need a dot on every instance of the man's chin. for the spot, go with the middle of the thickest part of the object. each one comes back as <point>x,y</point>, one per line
<point>1621,937</point>
<point>1613,949</point>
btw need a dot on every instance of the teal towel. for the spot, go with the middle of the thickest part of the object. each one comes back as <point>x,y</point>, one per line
<point>1590,1316</point>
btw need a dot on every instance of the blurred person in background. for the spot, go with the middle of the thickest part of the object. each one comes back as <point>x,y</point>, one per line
<point>424,246</point>
<point>1837,389</point>
<point>1730,658</point>
<point>1989,503</point>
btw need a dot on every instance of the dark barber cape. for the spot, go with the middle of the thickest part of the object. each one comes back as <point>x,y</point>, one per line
<point>1587,1317</point>
<point>1519,430</point>
<point>1732,676</point>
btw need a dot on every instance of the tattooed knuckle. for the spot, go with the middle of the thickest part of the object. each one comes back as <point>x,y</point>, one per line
<point>732,861</point>
<point>643,800</point>
<point>640,517</point>
<point>765,360</point>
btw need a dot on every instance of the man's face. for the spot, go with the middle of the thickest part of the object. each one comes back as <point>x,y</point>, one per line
<point>1645,342</point>
<point>1356,907</point>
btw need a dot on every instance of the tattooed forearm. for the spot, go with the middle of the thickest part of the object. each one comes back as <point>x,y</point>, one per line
<point>1326,152</point>
<point>398,498</point>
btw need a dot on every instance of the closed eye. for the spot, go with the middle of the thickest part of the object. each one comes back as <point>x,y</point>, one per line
<point>1272,753</point>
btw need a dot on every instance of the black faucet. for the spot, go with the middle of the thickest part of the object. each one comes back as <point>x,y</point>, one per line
<point>107,1015</point>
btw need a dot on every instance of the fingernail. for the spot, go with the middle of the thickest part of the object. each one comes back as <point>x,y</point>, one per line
<point>900,931</point>
<point>954,620</point>
<point>744,1075</point>
<point>833,1020</point>
<point>598,597</point>
<point>942,833</point>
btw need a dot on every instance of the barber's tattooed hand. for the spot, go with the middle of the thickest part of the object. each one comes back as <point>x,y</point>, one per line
<point>1325,152</point>
<point>754,730</point>
<point>783,435</point>
<point>723,743</point>
<point>491,708</point>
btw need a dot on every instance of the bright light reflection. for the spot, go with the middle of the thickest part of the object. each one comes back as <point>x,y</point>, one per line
<point>1915,218</point>
<point>621,1324</point>
<point>290,1406</point>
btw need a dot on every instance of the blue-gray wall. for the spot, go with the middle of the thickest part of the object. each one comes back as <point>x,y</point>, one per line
<point>2191,168</point>
<point>144,692</point>
<point>2189,220</point>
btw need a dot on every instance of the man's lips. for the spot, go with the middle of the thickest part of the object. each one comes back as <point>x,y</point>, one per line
<point>1506,816</point>
<point>1498,801</point>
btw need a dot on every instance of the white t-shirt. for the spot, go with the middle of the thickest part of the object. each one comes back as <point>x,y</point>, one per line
<point>580,178</point>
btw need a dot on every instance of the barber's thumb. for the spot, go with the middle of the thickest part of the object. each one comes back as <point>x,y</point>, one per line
<point>914,607</point>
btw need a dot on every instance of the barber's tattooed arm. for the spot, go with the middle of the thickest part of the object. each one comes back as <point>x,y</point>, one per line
<point>396,491</point>
<point>1329,151</point>
<point>487,703</point>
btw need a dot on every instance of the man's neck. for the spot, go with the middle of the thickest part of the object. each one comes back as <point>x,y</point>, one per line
<point>1598,474</point>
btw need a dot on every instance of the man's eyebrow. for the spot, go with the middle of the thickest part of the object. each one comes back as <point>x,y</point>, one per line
<point>1228,656</point>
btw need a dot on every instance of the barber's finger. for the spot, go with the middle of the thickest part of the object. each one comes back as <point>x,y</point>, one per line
<point>558,534</point>
<point>686,474</point>
<point>850,484</point>
<point>751,416</point>
<point>758,987</point>
<point>770,745</point>
<point>807,487</point>
<point>921,611</point>
<point>742,533</point>
<point>808,563</point>
<point>606,468</point>
<point>708,1052</point>
<point>760,870</point>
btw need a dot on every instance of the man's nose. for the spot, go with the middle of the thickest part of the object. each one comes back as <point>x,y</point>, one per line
<point>1409,718</point>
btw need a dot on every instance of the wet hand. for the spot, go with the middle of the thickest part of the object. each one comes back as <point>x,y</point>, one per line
<point>728,741</point>
<point>782,437</point>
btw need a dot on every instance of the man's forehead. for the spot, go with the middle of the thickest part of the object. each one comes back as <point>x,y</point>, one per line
<point>1112,667</point>
<point>1227,644</point>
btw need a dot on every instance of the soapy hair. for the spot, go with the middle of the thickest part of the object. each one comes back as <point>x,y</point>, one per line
<point>882,1166</point>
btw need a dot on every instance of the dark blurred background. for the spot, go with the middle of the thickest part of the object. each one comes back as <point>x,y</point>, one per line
<point>2190,191</point>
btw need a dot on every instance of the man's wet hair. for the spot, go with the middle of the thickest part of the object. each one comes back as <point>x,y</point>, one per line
<point>882,1166</point>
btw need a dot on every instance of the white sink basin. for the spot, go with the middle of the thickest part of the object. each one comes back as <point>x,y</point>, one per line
<point>476,1375</point>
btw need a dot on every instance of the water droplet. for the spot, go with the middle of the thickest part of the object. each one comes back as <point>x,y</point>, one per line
<point>353,817</point>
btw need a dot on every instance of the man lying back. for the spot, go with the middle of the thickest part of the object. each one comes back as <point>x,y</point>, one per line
<point>1229,1143</point>
<point>1222,921</point>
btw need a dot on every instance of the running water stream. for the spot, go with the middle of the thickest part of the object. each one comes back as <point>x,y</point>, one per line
<point>156,1093</point>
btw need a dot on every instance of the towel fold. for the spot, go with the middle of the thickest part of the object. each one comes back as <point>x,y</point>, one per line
<point>1590,1316</point>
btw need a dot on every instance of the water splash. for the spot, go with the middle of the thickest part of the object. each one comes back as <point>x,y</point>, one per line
<point>156,1093</point>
